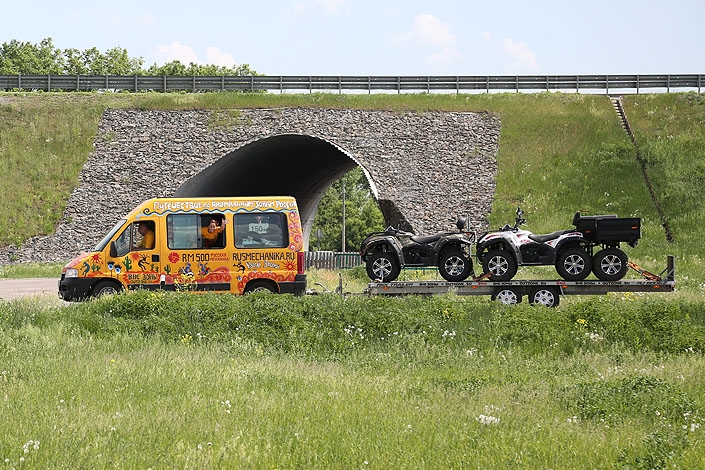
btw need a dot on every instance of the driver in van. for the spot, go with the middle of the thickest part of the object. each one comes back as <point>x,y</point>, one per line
<point>211,232</point>
<point>147,242</point>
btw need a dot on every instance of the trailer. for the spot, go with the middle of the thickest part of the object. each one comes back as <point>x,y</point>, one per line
<point>542,292</point>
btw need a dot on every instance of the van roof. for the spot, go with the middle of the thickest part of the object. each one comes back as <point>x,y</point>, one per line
<point>196,205</point>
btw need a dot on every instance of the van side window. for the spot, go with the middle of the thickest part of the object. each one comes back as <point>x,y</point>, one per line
<point>193,231</point>
<point>213,230</point>
<point>136,236</point>
<point>261,230</point>
<point>183,231</point>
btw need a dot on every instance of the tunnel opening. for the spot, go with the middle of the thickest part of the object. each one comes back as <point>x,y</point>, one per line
<point>297,165</point>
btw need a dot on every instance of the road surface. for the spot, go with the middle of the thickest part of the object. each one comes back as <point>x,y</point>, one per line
<point>17,288</point>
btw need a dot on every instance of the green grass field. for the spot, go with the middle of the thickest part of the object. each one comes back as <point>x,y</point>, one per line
<point>213,381</point>
<point>151,380</point>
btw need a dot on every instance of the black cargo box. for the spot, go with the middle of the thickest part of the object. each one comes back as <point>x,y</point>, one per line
<point>608,228</point>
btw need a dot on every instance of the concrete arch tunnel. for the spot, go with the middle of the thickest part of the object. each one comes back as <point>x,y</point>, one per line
<point>296,165</point>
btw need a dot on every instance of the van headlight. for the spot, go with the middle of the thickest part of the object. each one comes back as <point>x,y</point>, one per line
<point>71,272</point>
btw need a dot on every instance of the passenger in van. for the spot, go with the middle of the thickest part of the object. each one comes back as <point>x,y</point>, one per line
<point>212,231</point>
<point>146,229</point>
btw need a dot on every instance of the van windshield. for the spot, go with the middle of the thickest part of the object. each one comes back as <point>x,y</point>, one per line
<point>101,244</point>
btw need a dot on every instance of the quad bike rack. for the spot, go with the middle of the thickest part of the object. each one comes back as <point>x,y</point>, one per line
<point>544,292</point>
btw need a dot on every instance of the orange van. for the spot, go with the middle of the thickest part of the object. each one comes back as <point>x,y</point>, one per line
<point>235,244</point>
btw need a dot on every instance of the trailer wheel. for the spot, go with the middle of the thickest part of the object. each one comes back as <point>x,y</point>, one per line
<point>105,288</point>
<point>506,296</point>
<point>546,296</point>
<point>454,266</point>
<point>383,266</point>
<point>573,264</point>
<point>500,264</point>
<point>610,264</point>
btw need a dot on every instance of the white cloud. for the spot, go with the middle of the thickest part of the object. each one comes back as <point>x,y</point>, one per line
<point>486,35</point>
<point>215,56</point>
<point>521,57</point>
<point>429,30</point>
<point>175,51</point>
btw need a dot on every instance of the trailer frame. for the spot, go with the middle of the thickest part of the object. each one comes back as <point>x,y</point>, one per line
<point>544,292</point>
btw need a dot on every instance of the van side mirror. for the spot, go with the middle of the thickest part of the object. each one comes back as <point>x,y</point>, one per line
<point>113,250</point>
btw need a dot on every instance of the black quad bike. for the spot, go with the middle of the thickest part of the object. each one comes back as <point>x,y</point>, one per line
<point>570,251</point>
<point>385,253</point>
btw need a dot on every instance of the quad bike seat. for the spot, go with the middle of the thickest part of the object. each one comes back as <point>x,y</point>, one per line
<point>549,236</point>
<point>428,239</point>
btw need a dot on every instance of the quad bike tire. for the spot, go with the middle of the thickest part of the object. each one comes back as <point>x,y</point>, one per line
<point>454,265</point>
<point>383,266</point>
<point>500,264</point>
<point>573,264</point>
<point>610,264</point>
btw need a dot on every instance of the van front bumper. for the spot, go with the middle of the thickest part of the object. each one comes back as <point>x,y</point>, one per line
<point>74,289</point>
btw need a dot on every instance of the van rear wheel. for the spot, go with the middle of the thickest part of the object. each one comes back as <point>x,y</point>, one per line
<point>260,286</point>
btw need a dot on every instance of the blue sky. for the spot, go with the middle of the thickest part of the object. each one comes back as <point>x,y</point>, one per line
<point>392,37</point>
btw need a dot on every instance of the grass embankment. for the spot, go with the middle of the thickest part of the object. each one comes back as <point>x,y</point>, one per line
<point>214,381</point>
<point>558,153</point>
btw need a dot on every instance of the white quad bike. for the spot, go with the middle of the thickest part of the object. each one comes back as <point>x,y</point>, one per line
<point>570,251</point>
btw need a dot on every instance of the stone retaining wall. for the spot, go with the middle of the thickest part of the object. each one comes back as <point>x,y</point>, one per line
<point>432,165</point>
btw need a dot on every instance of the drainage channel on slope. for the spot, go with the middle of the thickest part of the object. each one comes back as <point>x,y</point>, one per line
<point>617,103</point>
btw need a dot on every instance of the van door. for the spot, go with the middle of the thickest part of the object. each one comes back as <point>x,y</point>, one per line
<point>134,255</point>
<point>196,254</point>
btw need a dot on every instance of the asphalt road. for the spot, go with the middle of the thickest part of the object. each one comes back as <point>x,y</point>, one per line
<point>17,288</point>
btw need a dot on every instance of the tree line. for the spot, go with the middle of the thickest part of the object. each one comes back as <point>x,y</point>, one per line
<point>26,58</point>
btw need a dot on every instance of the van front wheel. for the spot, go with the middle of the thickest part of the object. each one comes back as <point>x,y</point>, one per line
<point>105,288</point>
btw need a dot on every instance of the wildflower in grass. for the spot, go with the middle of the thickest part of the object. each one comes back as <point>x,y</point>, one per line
<point>594,337</point>
<point>30,445</point>
<point>581,323</point>
<point>448,334</point>
<point>186,339</point>
<point>487,420</point>
<point>227,405</point>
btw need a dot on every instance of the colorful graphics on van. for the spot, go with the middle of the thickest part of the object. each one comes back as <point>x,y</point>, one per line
<point>211,244</point>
